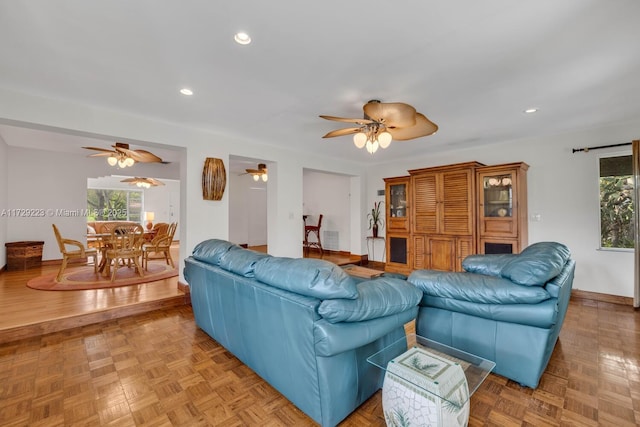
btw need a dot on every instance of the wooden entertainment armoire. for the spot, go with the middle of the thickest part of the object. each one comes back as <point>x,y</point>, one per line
<point>437,216</point>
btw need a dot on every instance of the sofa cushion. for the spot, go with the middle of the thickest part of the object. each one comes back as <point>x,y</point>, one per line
<point>306,276</point>
<point>475,288</point>
<point>378,297</point>
<point>211,250</point>
<point>489,264</point>
<point>537,264</point>
<point>241,261</point>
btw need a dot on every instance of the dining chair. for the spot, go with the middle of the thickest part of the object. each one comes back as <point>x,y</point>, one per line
<point>313,229</point>
<point>124,245</point>
<point>161,244</point>
<point>67,254</point>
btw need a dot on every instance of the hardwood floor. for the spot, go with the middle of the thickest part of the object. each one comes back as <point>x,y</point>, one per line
<point>158,368</point>
<point>26,312</point>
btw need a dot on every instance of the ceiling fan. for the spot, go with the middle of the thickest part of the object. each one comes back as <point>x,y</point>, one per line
<point>122,156</point>
<point>143,182</point>
<point>259,173</point>
<point>383,122</point>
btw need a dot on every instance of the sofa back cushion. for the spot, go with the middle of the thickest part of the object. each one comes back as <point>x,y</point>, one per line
<point>537,264</point>
<point>211,250</point>
<point>241,262</point>
<point>489,264</point>
<point>306,276</point>
<point>378,297</point>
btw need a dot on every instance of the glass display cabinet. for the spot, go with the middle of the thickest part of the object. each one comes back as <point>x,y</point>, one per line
<point>397,224</point>
<point>396,192</point>
<point>502,196</point>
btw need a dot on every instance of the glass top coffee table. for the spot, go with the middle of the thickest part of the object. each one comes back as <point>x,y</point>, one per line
<point>428,383</point>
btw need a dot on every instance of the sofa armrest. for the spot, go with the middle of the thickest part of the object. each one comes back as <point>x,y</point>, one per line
<point>335,338</point>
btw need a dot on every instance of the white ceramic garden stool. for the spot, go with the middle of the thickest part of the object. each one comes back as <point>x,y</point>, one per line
<point>422,388</point>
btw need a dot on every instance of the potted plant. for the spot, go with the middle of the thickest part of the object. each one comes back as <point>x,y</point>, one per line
<point>375,218</point>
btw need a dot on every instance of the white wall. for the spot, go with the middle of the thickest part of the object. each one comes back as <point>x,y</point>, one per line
<point>562,188</point>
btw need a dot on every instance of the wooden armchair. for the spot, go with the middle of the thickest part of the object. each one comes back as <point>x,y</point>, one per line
<point>125,244</point>
<point>161,244</point>
<point>80,253</point>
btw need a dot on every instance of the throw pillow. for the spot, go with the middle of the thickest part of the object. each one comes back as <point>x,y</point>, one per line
<point>379,297</point>
<point>306,276</point>
<point>91,230</point>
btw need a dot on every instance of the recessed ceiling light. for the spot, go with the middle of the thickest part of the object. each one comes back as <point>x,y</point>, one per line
<point>242,38</point>
<point>530,110</point>
<point>186,91</point>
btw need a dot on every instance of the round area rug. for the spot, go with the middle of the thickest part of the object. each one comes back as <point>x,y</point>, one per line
<point>83,278</point>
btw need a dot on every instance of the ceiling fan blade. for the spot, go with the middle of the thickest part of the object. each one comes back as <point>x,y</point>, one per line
<point>146,156</point>
<point>362,121</point>
<point>342,132</point>
<point>393,114</point>
<point>106,154</point>
<point>99,149</point>
<point>141,156</point>
<point>253,171</point>
<point>156,182</point>
<point>423,127</point>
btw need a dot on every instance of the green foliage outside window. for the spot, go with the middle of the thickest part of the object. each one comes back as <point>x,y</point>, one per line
<point>616,203</point>
<point>114,205</point>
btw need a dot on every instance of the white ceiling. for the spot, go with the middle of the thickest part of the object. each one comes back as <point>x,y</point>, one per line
<point>471,66</point>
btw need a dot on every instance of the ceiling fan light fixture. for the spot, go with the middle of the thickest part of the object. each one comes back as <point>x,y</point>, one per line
<point>372,146</point>
<point>360,139</point>
<point>384,138</point>
<point>256,177</point>
<point>265,177</point>
<point>242,38</point>
<point>129,161</point>
<point>112,160</point>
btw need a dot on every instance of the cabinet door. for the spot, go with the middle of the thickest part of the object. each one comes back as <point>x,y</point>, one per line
<point>498,210</point>
<point>457,202</point>
<point>397,211</point>
<point>441,253</point>
<point>398,250</point>
<point>425,206</point>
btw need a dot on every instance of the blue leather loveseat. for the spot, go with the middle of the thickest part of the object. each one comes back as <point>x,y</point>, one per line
<point>303,325</point>
<point>505,308</point>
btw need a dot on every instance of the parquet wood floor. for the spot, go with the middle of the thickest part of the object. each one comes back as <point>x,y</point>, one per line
<point>159,369</point>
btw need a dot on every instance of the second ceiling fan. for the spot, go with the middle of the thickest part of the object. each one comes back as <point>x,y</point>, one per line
<point>260,173</point>
<point>382,123</point>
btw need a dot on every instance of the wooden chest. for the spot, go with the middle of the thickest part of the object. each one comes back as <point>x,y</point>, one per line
<point>23,255</point>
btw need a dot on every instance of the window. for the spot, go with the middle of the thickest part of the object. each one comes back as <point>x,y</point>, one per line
<point>616,202</point>
<point>114,205</point>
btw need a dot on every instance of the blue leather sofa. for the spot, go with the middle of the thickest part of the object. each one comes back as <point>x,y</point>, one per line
<point>505,308</point>
<point>303,325</point>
